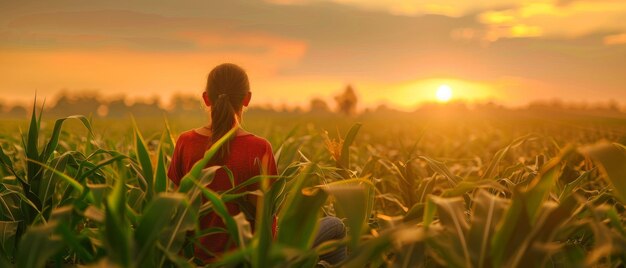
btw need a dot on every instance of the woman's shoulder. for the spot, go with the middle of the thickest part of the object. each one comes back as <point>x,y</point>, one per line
<point>191,136</point>
<point>188,134</point>
<point>248,139</point>
<point>254,140</point>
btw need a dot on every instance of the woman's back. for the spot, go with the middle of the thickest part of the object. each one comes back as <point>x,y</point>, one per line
<point>244,150</point>
<point>246,153</point>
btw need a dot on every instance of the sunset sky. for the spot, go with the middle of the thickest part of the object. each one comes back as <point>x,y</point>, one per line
<point>397,52</point>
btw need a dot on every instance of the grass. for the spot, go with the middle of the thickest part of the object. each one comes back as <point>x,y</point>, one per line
<point>414,191</point>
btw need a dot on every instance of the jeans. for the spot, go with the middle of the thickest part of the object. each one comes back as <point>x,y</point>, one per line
<point>331,228</point>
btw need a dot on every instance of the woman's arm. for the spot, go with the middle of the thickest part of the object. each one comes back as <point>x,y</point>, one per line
<point>175,172</point>
<point>266,165</point>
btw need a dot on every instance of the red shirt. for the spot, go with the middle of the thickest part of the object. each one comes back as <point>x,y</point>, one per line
<point>246,152</point>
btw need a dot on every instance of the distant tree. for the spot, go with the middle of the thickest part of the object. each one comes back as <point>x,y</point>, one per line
<point>182,104</point>
<point>283,108</point>
<point>318,105</point>
<point>613,106</point>
<point>383,108</point>
<point>488,106</point>
<point>117,108</point>
<point>296,110</point>
<point>146,108</point>
<point>347,101</point>
<point>17,111</point>
<point>85,103</point>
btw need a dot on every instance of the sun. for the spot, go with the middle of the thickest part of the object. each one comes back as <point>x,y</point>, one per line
<point>444,93</point>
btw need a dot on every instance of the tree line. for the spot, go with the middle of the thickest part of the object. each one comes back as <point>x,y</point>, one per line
<point>345,102</point>
<point>92,103</point>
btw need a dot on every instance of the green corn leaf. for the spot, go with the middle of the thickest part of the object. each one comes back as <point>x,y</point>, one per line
<point>612,162</point>
<point>99,192</point>
<point>168,137</point>
<point>265,212</point>
<point>544,230</point>
<point>220,209</point>
<point>542,184</point>
<point>286,143</point>
<point>487,211</point>
<point>430,208</point>
<point>570,187</point>
<point>253,180</point>
<point>120,247</point>
<point>511,230</point>
<point>187,181</point>
<point>143,158</point>
<point>186,218</point>
<point>74,243</point>
<point>12,203</point>
<point>71,181</point>
<point>160,175</point>
<point>353,201</point>
<point>20,198</point>
<point>370,251</point>
<point>524,211</point>
<point>347,141</point>
<point>451,213</point>
<point>51,147</point>
<point>616,222</point>
<point>32,143</point>
<point>157,215</point>
<point>466,186</point>
<point>301,212</point>
<point>233,259</point>
<point>230,175</point>
<point>49,180</point>
<point>490,172</point>
<point>98,166</point>
<point>174,236</point>
<point>442,169</point>
<point>8,164</point>
<point>8,234</point>
<point>38,245</point>
<point>54,139</point>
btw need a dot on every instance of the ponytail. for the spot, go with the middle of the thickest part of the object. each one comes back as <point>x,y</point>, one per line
<point>223,119</point>
<point>227,86</point>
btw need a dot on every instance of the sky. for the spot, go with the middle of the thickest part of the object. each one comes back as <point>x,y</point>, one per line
<point>393,52</point>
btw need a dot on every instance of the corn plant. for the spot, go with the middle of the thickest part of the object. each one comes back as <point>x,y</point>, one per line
<point>461,195</point>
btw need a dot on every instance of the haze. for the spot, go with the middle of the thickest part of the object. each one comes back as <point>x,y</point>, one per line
<point>395,52</point>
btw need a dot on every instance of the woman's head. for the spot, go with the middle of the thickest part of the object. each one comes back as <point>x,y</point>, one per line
<point>227,92</point>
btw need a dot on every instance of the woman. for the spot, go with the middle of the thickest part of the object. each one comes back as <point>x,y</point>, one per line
<point>227,92</point>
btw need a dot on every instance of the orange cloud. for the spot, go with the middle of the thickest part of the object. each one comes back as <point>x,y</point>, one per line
<point>117,69</point>
<point>616,39</point>
<point>552,18</point>
<point>270,46</point>
<point>453,8</point>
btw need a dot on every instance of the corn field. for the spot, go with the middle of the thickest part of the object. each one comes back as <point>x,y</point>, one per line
<point>462,195</point>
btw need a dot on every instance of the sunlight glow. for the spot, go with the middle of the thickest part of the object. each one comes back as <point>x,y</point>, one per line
<point>444,93</point>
